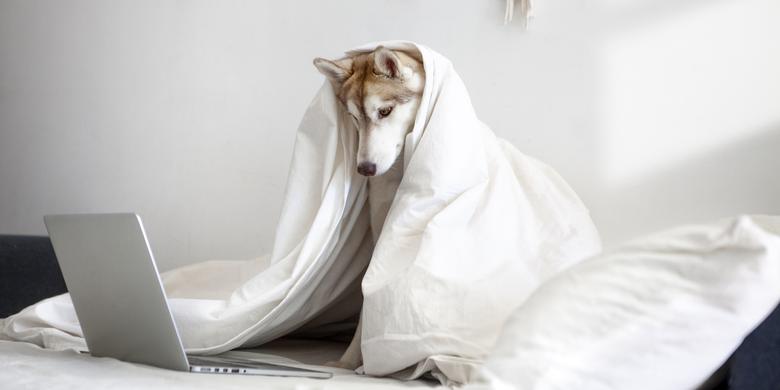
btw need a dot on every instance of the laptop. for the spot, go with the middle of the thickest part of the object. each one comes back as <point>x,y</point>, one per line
<point>119,298</point>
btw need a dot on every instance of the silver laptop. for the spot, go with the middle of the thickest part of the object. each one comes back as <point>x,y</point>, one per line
<point>120,301</point>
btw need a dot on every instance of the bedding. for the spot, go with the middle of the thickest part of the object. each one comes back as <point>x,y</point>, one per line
<point>661,312</point>
<point>475,227</point>
<point>27,366</point>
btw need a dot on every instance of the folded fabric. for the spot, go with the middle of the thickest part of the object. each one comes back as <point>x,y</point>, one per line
<point>662,312</point>
<point>474,228</point>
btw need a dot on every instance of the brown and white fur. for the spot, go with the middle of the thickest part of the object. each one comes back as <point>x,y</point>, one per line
<point>381,92</point>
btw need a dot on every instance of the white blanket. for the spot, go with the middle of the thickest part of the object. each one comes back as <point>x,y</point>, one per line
<point>660,312</point>
<point>475,227</point>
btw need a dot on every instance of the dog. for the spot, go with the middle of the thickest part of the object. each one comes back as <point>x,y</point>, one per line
<point>381,92</point>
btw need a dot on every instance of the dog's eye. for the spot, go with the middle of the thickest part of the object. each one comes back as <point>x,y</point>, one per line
<point>385,111</point>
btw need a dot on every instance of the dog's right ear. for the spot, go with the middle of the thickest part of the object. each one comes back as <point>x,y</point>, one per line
<point>336,72</point>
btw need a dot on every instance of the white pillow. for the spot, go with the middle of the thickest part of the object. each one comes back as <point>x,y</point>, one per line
<point>663,312</point>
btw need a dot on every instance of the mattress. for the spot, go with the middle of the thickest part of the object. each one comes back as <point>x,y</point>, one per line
<point>26,366</point>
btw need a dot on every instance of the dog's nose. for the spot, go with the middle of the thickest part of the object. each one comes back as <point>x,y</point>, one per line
<point>367,169</point>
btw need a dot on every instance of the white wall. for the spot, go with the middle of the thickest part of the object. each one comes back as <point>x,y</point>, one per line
<point>657,112</point>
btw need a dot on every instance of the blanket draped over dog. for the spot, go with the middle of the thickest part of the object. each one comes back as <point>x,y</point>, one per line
<point>475,227</point>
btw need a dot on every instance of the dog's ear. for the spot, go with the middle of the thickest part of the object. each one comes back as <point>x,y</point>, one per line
<point>386,62</point>
<point>335,71</point>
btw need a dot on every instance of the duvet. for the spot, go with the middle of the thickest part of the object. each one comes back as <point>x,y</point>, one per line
<point>475,227</point>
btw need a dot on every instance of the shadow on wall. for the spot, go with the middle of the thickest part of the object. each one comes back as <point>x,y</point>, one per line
<point>739,178</point>
<point>624,95</point>
<point>686,126</point>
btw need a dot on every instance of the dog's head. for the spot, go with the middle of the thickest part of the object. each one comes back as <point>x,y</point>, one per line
<point>381,92</point>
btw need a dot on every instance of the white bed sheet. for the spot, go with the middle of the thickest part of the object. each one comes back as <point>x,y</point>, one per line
<point>27,366</point>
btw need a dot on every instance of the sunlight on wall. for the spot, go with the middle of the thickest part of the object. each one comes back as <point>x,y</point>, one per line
<point>680,87</point>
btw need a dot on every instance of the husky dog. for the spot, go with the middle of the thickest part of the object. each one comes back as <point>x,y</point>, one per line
<point>381,92</point>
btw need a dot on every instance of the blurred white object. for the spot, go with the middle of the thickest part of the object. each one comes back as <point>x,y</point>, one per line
<point>525,11</point>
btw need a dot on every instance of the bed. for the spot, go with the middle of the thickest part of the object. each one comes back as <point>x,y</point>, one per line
<point>30,273</point>
<point>24,365</point>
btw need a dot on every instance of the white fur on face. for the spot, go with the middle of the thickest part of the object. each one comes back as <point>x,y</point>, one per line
<point>382,139</point>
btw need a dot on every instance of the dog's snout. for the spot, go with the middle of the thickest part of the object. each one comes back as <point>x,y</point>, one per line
<point>367,169</point>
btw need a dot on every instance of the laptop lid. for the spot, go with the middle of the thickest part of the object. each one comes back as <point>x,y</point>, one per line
<point>116,290</point>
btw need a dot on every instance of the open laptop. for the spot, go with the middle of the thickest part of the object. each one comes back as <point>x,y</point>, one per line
<point>120,302</point>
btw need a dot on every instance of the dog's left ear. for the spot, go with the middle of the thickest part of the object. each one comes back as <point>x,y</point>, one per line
<point>387,63</point>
